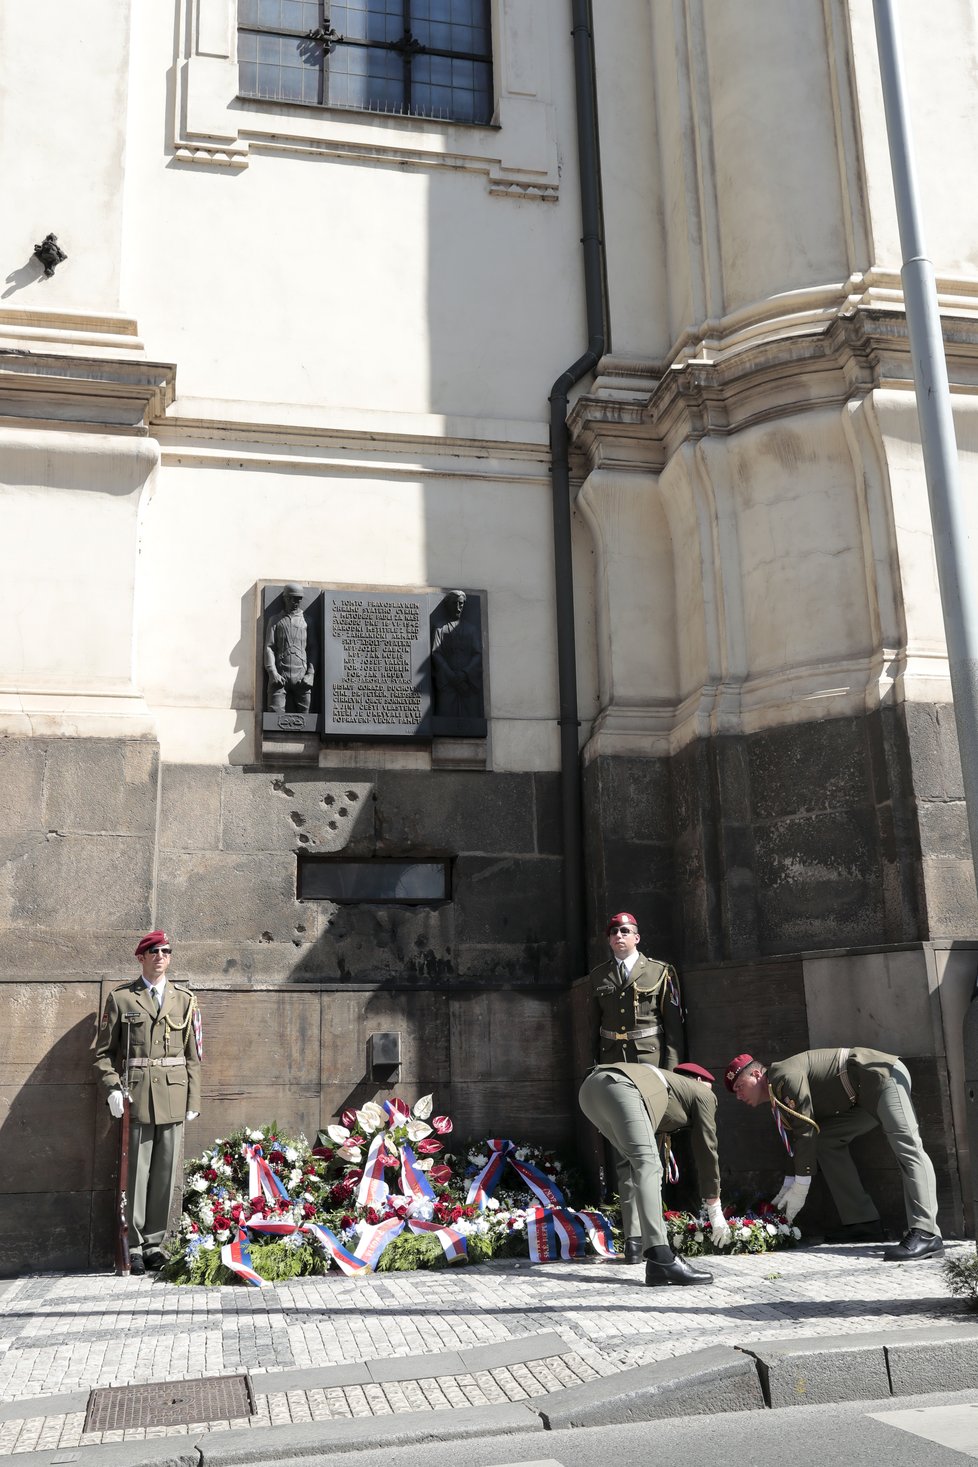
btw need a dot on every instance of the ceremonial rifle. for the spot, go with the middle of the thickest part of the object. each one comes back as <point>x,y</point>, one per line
<point>122,1182</point>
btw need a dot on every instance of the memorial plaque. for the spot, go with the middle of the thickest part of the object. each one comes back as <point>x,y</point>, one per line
<point>376,667</point>
<point>291,659</point>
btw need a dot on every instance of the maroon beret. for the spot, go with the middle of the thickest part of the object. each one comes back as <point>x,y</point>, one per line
<point>152,939</point>
<point>696,1072</point>
<point>618,920</point>
<point>736,1067</point>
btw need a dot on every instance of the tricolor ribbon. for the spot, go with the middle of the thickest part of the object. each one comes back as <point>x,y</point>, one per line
<point>501,1152</point>
<point>236,1257</point>
<point>262,1181</point>
<point>414,1183</point>
<point>782,1128</point>
<point>373,1189</point>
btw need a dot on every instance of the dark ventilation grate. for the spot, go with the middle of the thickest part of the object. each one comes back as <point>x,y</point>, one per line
<point>170,1403</point>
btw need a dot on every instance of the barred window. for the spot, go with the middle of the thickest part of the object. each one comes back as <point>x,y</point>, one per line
<point>423,58</point>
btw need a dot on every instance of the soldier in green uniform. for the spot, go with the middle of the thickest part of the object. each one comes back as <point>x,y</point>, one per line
<point>636,1015</point>
<point>822,1099</point>
<point>632,1105</point>
<point>165,1050</point>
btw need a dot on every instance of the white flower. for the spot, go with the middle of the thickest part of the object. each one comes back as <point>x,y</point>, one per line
<point>423,1208</point>
<point>207,1216</point>
<point>200,1184</point>
<point>478,1160</point>
<point>307,1197</point>
<point>223,1235</point>
<point>491,1203</point>
<point>349,1153</point>
<point>697,1237</point>
<point>519,1224</point>
<point>291,1154</point>
<point>743,1232</point>
<point>521,1153</point>
<point>425,1164</point>
<point>339,1134</point>
<point>423,1107</point>
<point>417,1130</point>
<point>256,1135</point>
<point>207,1242</point>
<point>295,1176</point>
<point>371,1118</point>
<point>771,1230</point>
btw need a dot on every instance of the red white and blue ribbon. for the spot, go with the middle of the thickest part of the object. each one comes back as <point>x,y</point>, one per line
<point>453,1243</point>
<point>262,1181</point>
<point>236,1257</point>
<point>598,1229</point>
<point>414,1183</point>
<point>373,1190</point>
<point>782,1128</point>
<point>501,1152</point>
<point>346,1261</point>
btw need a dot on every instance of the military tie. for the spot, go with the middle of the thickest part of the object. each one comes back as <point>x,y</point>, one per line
<point>622,974</point>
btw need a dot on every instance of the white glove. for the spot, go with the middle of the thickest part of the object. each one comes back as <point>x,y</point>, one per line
<point>778,1202</point>
<point>797,1197</point>
<point>117,1104</point>
<point>192,1115</point>
<point>719,1227</point>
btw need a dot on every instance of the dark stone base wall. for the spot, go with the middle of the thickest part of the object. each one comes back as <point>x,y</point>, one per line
<point>844,833</point>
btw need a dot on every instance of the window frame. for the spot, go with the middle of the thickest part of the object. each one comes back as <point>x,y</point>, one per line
<point>407,46</point>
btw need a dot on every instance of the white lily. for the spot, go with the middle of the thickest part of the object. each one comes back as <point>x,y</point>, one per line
<point>417,1130</point>
<point>339,1134</point>
<point>350,1153</point>
<point>423,1107</point>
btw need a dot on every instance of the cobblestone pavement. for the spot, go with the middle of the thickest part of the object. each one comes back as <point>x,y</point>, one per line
<point>63,1335</point>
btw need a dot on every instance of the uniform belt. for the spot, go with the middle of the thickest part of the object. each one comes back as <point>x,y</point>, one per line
<point>629,1033</point>
<point>145,1064</point>
<point>844,1075</point>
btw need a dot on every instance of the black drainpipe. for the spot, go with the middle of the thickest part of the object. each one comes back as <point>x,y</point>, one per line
<point>570,782</point>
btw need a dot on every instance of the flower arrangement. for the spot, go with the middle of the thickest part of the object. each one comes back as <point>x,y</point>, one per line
<point>379,1190</point>
<point>759,1232</point>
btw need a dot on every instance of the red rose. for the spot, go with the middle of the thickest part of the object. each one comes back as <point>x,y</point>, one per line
<point>429,1147</point>
<point>442,1124</point>
<point>308,1209</point>
<point>354,1175</point>
<point>228,1159</point>
<point>210,1174</point>
<point>373,1217</point>
<point>256,1204</point>
<point>237,1211</point>
<point>346,1221</point>
<point>277,1156</point>
<point>340,1192</point>
<point>440,1174</point>
<point>348,1119</point>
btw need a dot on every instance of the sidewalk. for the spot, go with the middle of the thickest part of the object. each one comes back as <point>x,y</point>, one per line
<point>338,1350</point>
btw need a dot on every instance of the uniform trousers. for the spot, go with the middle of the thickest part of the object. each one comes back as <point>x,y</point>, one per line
<point>156,1152</point>
<point>613,1104</point>
<point>894,1112</point>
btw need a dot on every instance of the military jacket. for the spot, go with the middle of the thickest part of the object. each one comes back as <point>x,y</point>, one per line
<point>161,1093</point>
<point>650,999</point>
<point>675,1103</point>
<point>816,1086</point>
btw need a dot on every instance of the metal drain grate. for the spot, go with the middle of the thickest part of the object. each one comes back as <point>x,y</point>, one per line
<point>170,1403</point>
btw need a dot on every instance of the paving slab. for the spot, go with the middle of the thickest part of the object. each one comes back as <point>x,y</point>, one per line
<point>340,1358</point>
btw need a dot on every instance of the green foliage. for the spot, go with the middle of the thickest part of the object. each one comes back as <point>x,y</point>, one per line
<point>409,1251</point>
<point>961,1277</point>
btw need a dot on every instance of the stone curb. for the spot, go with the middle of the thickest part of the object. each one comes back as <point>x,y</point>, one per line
<point>767,1374</point>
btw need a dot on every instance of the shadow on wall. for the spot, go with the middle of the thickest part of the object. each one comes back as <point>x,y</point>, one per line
<point>57,1160</point>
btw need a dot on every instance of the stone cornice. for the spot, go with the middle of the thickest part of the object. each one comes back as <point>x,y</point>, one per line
<point>81,393</point>
<point>637,413</point>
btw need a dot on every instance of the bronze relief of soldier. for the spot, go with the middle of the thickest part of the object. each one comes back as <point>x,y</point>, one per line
<point>636,1017</point>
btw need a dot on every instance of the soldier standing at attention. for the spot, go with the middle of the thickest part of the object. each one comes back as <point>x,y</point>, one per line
<point>165,1050</point>
<point>822,1099</point>
<point>636,1015</point>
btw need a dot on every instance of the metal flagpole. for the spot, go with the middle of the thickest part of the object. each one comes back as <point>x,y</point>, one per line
<point>957,562</point>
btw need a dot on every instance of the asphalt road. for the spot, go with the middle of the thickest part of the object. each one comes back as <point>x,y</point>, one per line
<point>915,1431</point>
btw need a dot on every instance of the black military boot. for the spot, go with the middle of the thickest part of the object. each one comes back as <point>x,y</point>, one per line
<point>633,1250</point>
<point>662,1266</point>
